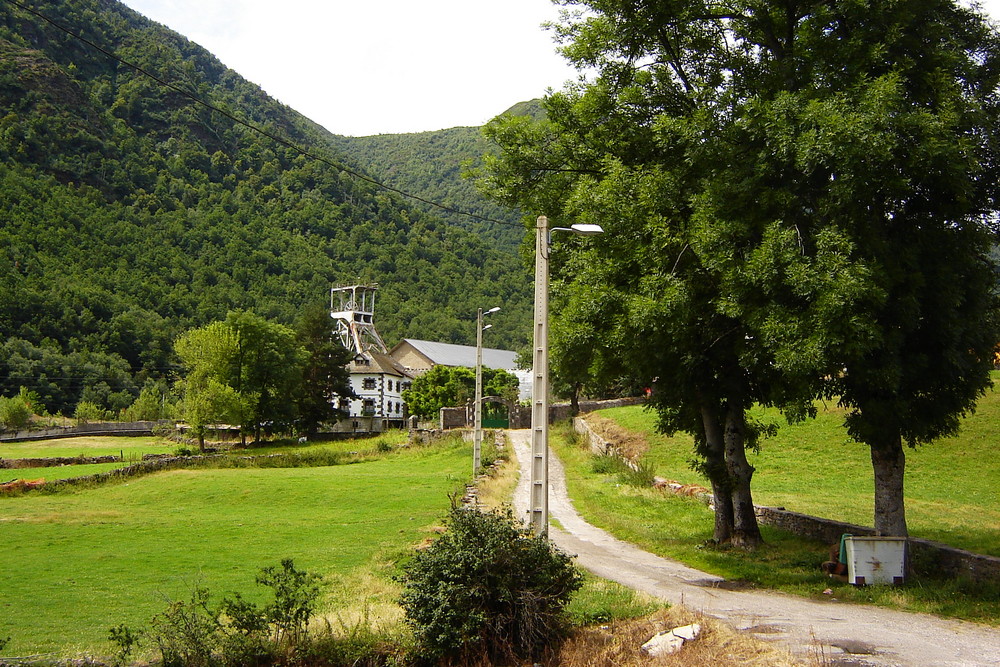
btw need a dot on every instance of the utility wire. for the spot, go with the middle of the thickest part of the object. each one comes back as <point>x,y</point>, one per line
<point>250,126</point>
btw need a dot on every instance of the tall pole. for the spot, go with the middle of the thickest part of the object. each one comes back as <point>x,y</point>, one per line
<point>477,438</point>
<point>539,502</point>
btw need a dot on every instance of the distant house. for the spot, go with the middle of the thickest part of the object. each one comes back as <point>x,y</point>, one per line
<point>379,381</point>
<point>419,356</point>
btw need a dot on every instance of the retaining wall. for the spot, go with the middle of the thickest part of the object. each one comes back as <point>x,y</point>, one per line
<point>97,428</point>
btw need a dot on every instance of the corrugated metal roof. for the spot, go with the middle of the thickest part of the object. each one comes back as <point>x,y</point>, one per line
<point>446,354</point>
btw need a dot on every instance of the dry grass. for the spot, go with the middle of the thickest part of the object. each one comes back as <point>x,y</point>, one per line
<point>619,645</point>
<point>497,488</point>
<point>631,444</point>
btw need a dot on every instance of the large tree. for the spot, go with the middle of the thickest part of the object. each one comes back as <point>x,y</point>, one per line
<point>785,187</point>
<point>244,368</point>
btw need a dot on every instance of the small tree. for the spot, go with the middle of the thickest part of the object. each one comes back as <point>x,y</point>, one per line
<point>15,412</point>
<point>450,386</point>
<point>487,587</point>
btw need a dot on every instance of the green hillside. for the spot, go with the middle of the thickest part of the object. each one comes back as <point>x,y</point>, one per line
<point>129,213</point>
<point>431,164</point>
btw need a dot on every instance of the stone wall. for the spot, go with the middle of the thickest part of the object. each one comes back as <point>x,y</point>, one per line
<point>98,428</point>
<point>925,557</point>
<point>15,464</point>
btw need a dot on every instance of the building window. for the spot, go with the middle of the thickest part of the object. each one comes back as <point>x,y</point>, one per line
<point>368,407</point>
<point>368,384</point>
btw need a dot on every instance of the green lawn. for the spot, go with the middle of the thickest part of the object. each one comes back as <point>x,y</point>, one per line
<point>681,528</point>
<point>76,563</point>
<point>952,486</point>
<point>129,446</point>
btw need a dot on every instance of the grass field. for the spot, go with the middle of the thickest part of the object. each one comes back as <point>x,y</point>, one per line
<point>129,447</point>
<point>76,563</point>
<point>952,486</point>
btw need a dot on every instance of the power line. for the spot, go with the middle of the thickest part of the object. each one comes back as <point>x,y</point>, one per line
<point>250,126</point>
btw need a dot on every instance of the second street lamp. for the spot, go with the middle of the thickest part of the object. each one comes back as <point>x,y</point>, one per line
<point>539,490</point>
<point>477,437</point>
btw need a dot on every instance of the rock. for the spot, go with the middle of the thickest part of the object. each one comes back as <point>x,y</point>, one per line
<point>670,641</point>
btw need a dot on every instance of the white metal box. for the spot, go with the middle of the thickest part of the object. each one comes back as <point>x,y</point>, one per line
<point>875,560</point>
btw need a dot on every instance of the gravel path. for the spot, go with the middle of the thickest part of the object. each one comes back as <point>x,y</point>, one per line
<point>837,633</point>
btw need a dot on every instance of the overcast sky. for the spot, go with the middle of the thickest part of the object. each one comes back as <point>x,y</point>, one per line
<point>361,67</point>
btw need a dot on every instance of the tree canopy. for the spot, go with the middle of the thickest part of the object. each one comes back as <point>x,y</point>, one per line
<point>260,375</point>
<point>784,187</point>
<point>453,386</point>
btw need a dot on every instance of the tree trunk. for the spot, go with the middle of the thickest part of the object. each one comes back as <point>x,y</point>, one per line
<point>746,531</point>
<point>715,468</point>
<point>889,464</point>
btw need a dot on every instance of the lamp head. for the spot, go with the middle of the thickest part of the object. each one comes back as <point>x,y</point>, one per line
<point>585,229</point>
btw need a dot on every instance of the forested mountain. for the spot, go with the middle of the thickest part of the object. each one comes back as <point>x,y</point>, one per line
<point>430,165</point>
<point>129,213</point>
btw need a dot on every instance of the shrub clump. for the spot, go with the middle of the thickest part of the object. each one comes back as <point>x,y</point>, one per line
<point>487,588</point>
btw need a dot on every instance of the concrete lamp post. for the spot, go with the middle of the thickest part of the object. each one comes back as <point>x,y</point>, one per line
<point>539,501</point>
<point>477,437</point>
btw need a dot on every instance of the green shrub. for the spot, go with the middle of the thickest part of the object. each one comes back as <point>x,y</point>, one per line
<point>87,411</point>
<point>239,632</point>
<point>14,413</point>
<point>487,587</point>
<point>126,639</point>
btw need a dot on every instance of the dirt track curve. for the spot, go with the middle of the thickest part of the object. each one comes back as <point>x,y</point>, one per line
<point>839,633</point>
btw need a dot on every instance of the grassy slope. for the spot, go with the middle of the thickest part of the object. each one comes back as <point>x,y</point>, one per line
<point>78,563</point>
<point>952,486</point>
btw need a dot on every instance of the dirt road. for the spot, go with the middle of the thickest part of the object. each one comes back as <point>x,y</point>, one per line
<point>838,633</point>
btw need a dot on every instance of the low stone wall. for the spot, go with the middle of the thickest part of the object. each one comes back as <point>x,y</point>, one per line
<point>15,464</point>
<point>97,428</point>
<point>926,557</point>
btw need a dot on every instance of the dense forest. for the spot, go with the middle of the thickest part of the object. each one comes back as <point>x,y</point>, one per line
<point>129,213</point>
<point>431,165</point>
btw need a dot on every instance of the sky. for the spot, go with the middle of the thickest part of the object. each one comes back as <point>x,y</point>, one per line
<point>364,67</point>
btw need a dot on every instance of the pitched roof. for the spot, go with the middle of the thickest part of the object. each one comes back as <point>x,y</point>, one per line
<point>377,363</point>
<point>446,354</point>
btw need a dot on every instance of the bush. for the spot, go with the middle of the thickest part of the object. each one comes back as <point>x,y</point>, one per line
<point>487,587</point>
<point>239,632</point>
<point>87,411</point>
<point>14,413</point>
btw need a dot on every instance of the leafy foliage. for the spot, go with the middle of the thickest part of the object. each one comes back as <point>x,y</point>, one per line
<point>16,411</point>
<point>132,214</point>
<point>487,587</point>
<point>452,386</point>
<point>238,632</point>
<point>784,189</point>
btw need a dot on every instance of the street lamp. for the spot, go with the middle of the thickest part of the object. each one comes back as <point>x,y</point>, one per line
<point>539,501</point>
<point>477,438</point>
